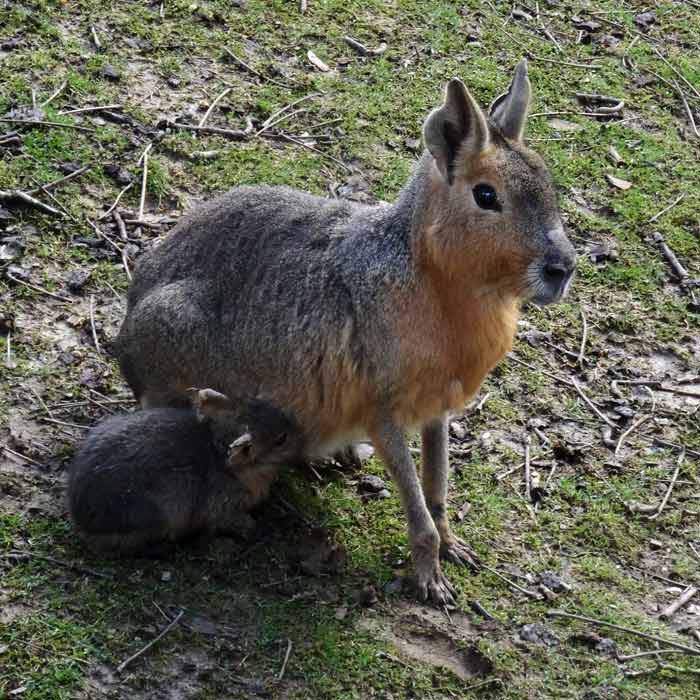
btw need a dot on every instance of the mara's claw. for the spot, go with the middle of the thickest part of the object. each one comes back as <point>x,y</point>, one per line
<point>437,589</point>
<point>457,552</point>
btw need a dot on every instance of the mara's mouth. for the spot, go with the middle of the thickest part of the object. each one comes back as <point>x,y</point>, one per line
<point>549,281</point>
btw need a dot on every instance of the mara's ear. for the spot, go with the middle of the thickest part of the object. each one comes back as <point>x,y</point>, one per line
<point>240,448</point>
<point>208,403</point>
<point>458,123</point>
<point>509,110</point>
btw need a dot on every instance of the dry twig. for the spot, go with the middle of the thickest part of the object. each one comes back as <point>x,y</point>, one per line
<point>582,350</point>
<point>252,70</point>
<point>591,405</point>
<point>637,423</point>
<point>37,122</point>
<point>142,651</point>
<point>643,635</point>
<point>682,599</point>
<point>26,198</point>
<point>665,209</point>
<point>280,675</point>
<point>525,591</point>
<point>213,104</point>
<point>92,324</point>
<point>671,484</point>
<point>116,202</point>
<point>80,569</point>
<point>36,288</point>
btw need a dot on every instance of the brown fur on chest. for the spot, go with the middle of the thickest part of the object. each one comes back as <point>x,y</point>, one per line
<point>447,351</point>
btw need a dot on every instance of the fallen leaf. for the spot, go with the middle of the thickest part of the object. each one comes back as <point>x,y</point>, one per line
<point>317,62</point>
<point>563,125</point>
<point>618,182</point>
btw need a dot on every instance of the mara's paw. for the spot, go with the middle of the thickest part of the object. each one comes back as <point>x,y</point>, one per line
<point>436,589</point>
<point>456,551</point>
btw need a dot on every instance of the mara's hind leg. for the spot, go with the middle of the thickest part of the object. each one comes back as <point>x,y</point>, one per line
<point>160,345</point>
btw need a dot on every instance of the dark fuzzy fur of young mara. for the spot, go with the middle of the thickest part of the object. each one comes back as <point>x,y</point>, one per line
<point>142,481</point>
<point>362,320</point>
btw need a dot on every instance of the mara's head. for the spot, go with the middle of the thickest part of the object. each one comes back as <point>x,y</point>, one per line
<point>493,223</point>
<point>249,433</point>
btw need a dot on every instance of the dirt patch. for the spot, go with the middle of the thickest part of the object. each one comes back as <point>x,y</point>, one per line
<point>428,636</point>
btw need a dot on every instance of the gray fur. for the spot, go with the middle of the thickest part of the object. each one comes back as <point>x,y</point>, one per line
<point>142,481</point>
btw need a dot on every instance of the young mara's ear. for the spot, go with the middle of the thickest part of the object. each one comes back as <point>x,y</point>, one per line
<point>208,403</point>
<point>509,111</point>
<point>240,448</point>
<point>458,123</point>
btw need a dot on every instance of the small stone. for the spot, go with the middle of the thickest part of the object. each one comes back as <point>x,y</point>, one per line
<point>121,176</point>
<point>384,493</point>
<point>371,483</point>
<point>11,248</point>
<point>656,544</point>
<point>458,430</point>
<point>537,633</point>
<point>174,82</point>
<point>693,609</point>
<point>166,576</point>
<point>110,72</point>
<point>364,451</point>
<point>77,280</point>
<point>394,586</point>
<point>412,144</point>
<point>341,613</point>
<point>69,166</point>
<point>645,19</point>
<point>674,590</point>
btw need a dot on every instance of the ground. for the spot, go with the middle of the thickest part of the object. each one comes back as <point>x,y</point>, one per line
<point>316,605</point>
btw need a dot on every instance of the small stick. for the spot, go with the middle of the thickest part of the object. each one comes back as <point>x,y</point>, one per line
<point>653,652</point>
<point>638,423</point>
<point>244,65</point>
<point>302,6</point>
<point>234,134</point>
<point>92,324</point>
<point>672,483</point>
<point>55,183</point>
<point>280,675</point>
<point>688,111</point>
<point>316,150</point>
<point>479,609</point>
<point>8,360</point>
<point>65,564</point>
<point>213,104</point>
<point>528,492</point>
<point>362,49</point>
<point>684,597</point>
<point>95,38</point>
<point>580,113</point>
<point>37,288</point>
<point>643,635</point>
<point>481,403</point>
<point>142,651</point>
<point>21,456</point>
<point>116,201</point>
<point>677,72</point>
<point>503,475</point>
<point>529,594</point>
<point>144,179</point>
<point>279,120</point>
<point>41,401</point>
<point>582,351</point>
<point>665,209</point>
<point>121,226</point>
<point>591,405</point>
<point>9,195</point>
<point>55,93</point>
<point>562,380</point>
<point>37,122</point>
<point>97,108</point>
<point>62,422</point>
<point>269,121</point>
<point>673,261</point>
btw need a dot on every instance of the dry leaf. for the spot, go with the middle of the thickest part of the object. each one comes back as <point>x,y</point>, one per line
<point>563,125</point>
<point>316,61</point>
<point>618,182</point>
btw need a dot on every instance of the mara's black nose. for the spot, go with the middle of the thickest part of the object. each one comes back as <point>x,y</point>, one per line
<point>557,273</point>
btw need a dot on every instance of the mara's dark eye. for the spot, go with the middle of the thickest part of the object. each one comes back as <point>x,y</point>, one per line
<point>485,196</point>
<point>281,439</point>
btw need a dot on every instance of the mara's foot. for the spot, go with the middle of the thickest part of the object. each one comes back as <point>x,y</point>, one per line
<point>435,588</point>
<point>456,551</point>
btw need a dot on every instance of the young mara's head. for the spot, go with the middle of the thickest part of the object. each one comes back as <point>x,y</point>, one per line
<point>250,433</point>
<point>493,223</point>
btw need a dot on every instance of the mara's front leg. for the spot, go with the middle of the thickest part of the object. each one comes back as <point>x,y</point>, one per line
<point>389,441</point>
<point>435,471</point>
